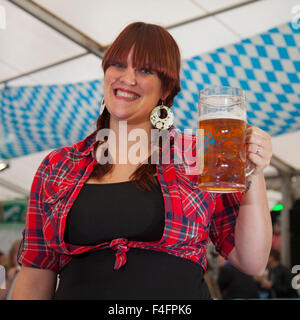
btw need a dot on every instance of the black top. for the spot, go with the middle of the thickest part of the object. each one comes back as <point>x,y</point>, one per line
<point>103,212</point>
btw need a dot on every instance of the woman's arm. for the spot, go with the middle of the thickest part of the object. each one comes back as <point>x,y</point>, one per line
<point>253,229</point>
<point>34,284</point>
<point>40,262</point>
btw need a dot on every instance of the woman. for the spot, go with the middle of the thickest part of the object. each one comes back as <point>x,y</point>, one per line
<point>124,230</point>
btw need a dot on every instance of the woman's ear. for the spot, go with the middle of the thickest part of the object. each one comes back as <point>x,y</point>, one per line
<point>165,96</point>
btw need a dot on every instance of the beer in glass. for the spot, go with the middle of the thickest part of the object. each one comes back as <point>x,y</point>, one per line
<point>223,123</point>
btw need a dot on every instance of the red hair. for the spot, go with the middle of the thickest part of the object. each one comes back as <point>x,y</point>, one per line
<point>155,49</point>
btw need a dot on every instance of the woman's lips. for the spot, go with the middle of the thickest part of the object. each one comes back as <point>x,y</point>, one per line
<point>125,94</point>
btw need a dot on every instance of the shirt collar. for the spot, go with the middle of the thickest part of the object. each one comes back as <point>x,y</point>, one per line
<point>84,147</point>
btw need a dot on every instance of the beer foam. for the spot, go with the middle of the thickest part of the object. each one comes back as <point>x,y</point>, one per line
<point>222,115</point>
<point>222,107</point>
<point>222,100</point>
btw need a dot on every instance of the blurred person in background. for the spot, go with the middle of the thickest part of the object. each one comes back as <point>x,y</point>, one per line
<point>2,275</point>
<point>279,281</point>
<point>235,284</point>
<point>2,258</point>
<point>12,268</point>
<point>276,238</point>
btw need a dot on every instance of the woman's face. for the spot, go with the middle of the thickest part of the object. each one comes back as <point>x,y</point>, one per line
<point>131,94</point>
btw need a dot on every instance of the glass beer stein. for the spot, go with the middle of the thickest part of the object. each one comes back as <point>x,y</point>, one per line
<point>223,123</point>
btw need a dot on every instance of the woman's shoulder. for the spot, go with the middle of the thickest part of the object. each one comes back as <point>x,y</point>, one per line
<point>76,150</point>
<point>68,153</point>
<point>53,158</point>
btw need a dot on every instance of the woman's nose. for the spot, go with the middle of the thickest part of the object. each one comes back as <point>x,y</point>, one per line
<point>129,77</point>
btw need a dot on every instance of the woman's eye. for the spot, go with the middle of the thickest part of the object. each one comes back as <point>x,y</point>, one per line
<point>146,71</point>
<point>118,65</point>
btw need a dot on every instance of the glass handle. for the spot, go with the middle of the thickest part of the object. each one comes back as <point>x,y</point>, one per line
<point>250,168</point>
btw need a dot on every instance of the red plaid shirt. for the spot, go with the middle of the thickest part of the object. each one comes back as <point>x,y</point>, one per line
<point>192,218</point>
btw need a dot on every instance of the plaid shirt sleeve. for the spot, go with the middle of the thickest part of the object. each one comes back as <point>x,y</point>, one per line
<point>33,251</point>
<point>223,221</point>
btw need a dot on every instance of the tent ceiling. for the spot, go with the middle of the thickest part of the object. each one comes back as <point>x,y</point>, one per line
<point>27,44</point>
<point>50,46</point>
<point>81,69</point>
<point>103,24</point>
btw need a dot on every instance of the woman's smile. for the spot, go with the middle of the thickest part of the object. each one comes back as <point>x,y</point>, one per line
<point>124,94</point>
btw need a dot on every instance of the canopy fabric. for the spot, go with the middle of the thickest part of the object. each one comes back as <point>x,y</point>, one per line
<point>266,66</point>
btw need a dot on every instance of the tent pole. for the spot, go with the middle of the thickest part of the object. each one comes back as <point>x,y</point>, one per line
<point>61,26</point>
<point>287,197</point>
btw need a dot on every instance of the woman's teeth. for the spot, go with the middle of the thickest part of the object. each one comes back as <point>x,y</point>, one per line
<point>124,94</point>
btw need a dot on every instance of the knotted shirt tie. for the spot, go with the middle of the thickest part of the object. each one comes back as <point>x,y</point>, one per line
<point>120,246</point>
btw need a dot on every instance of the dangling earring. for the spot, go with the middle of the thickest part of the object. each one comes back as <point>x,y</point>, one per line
<point>102,107</point>
<point>162,117</point>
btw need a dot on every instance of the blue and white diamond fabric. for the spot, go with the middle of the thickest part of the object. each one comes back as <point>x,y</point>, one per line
<point>266,67</point>
<point>38,118</point>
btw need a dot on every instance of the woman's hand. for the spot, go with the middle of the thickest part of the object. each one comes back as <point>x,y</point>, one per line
<point>259,148</point>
